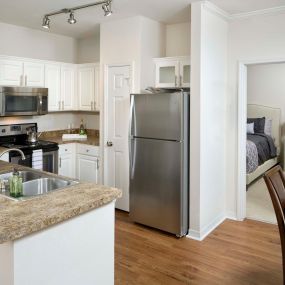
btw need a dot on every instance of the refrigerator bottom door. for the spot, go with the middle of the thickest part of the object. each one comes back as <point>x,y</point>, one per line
<point>157,185</point>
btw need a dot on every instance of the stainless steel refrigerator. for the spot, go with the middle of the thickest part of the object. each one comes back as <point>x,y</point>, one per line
<point>159,160</point>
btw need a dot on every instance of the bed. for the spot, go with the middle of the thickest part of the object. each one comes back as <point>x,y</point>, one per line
<point>259,111</point>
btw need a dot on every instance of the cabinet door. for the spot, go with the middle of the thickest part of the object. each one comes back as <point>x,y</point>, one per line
<point>11,72</point>
<point>65,165</point>
<point>167,74</point>
<point>184,78</point>
<point>52,82</point>
<point>97,89</point>
<point>34,74</point>
<point>87,168</point>
<point>67,88</point>
<point>86,88</point>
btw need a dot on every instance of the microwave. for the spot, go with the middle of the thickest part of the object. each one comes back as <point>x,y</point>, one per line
<point>23,101</point>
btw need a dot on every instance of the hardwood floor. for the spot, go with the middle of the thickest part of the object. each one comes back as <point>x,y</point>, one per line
<point>235,253</point>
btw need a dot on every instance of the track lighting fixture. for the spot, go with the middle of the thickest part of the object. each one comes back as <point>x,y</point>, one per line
<point>107,9</point>
<point>46,22</point>
<point>106,6</point>
<point>71,19</point>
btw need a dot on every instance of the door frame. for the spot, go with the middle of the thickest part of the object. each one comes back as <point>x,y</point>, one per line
<point>242,119</point>
<point>104,117</point>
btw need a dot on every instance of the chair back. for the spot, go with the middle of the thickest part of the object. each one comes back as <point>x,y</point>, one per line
<point>275,181</point>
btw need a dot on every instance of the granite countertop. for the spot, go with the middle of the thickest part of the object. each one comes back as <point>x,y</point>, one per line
<point>21,218</point>
<point>56,136</point>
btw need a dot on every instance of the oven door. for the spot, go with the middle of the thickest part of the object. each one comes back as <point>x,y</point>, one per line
<point>15,104</point>
<point>50,161</point>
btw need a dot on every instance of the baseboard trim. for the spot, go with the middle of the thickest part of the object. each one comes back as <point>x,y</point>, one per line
<point>232,216</point>
<point>199,236</point>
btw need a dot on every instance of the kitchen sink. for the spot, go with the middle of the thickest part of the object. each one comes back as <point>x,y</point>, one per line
<point>44,185</point>
<point>26,175</point>
<point>36,184</point>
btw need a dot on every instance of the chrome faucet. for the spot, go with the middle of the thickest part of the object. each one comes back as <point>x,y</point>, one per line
<point>13,149</point>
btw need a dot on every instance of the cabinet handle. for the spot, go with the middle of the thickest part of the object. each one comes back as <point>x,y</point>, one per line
<point>26,80</point>
<point>58,105</point>
<point>60,162</point>
<point>97,163</point>
<point>180,79</point>
<point>62,105</point>
<point>91,105</point>
<point>87,150</point>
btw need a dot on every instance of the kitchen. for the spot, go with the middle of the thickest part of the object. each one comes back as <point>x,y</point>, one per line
<point>66,74</point>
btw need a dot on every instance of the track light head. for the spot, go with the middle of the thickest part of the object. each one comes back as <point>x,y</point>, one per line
<point>46,22</point>
<point>71,19</point>
<point>107,9</point>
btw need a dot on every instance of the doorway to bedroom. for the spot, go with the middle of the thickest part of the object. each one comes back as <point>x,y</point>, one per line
<point>264,134</point>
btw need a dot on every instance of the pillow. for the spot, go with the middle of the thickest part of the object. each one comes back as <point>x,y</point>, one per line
<point>268,127</point>
<point>250,128</point>
<point>259,124</point>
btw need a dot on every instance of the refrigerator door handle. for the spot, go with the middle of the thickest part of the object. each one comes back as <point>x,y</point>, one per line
<point>131,136</point>
<point>131,116</point>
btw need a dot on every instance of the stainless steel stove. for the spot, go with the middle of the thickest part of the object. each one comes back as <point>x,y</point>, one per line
<point>15,136</point>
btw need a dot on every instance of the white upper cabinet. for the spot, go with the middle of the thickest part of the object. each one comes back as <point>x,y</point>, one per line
<point>52,82</point>
<point>34,74</point>
<point>71,86</point>
<point>11,72</point>
<point>172,72</point>
<point>21,73</point>
<point>68,99</point>
<point>88,87</point>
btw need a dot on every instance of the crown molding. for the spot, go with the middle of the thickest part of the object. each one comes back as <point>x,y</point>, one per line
<point>269,11</point>
<point>216,10</point>
<point>231,17</point>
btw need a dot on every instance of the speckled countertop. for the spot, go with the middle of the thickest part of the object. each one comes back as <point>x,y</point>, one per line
<point>56,136</point>
<point>21,218</point>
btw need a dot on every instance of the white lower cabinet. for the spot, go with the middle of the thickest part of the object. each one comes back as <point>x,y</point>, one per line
<point>66,160</point>
<point>87,168</point>
<point>79,161</point>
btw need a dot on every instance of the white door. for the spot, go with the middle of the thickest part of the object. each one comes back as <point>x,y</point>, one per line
<point>97,89</point>
<point>167,74</point>
<point>52,82</point>
<point>66,166</point>
<point>67,88</point>
<point>116,166</point>
<point>184,69</point>
<point>86,88</point>
<point>11,72</point>
<point>34,74</point>
<point>87,168</point>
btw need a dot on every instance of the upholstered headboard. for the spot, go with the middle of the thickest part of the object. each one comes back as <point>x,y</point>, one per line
<point>259,111</point>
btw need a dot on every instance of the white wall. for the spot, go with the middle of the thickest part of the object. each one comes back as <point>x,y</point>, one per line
<point>25,42</point>
<point>178,39</point>
<point>89,49</point>
<point>207,118</point>
<point>266,86</point>
<point>259,38</point>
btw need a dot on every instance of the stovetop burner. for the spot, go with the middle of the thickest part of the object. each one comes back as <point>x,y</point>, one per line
<point>31,146</point>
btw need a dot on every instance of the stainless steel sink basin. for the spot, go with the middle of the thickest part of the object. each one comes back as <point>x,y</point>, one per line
<point>35,184</point>
<point>27,175</point>
<point>44,185</point>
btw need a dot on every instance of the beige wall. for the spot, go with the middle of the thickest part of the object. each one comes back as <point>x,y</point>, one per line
<point>178,39</point>
<point>89,49</point>
<point>25,42</point>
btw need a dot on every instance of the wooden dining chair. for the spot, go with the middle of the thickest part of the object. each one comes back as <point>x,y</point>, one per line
<point>275,181</point>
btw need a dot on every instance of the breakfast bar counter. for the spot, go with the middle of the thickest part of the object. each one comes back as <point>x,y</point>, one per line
<point>66,234</point>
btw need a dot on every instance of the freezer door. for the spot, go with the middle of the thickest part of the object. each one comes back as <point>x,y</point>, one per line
<point>158,116</point>
<point>158,187</point>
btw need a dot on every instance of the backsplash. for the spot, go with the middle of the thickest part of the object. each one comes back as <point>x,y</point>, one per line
<point>56,121</point>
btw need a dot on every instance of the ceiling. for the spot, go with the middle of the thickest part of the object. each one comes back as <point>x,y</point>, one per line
<point>29,13</point>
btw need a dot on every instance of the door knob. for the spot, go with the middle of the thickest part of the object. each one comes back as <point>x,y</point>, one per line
<point>109,143</point>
